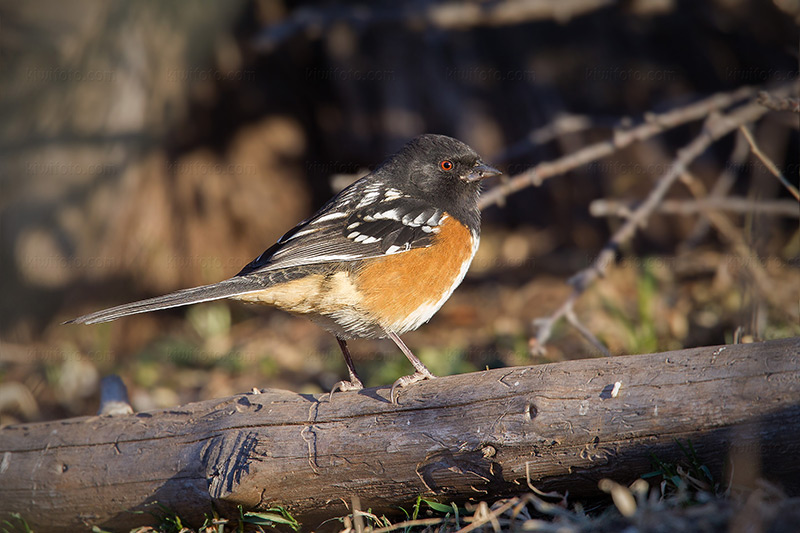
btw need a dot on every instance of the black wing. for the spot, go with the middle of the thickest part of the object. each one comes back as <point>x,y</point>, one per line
<point>366,220</point>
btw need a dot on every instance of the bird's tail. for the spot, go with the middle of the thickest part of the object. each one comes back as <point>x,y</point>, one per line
<point>205,293</point>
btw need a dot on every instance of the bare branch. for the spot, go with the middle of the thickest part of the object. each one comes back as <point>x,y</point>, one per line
<point>715,127</point>
<point>779,103</point>
<point>734,237</point>
<point>572,318</point>
<point>544,325</point>
<point>772,167</point>
<point>653,125</point>
<point>721,188</point>
<point>624,208</point>
<point>561,125</point>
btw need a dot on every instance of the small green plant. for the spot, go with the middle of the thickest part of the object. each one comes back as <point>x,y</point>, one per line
<point>271,517</point>
<point>687,479</point>
<point>374,521</point>
<point>168,520</point>
<point>445,509</point>
<point>640,330</point>
<point>17,525</point>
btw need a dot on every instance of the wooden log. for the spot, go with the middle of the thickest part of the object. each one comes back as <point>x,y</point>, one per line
<point>459,437</point>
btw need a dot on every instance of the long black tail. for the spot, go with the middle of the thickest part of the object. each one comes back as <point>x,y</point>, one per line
<point>205,293</point>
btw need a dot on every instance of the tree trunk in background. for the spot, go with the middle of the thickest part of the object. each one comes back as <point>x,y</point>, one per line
<point>94,191</point>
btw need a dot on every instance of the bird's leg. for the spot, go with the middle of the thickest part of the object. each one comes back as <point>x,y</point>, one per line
<point>355,382</point>
<point>421,371</point>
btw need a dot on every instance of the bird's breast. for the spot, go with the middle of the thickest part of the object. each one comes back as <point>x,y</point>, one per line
<point>405,290</point>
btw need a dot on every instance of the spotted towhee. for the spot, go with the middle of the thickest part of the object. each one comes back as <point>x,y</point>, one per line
<point>379,259</point>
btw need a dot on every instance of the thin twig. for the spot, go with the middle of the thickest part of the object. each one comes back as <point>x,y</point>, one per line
<point>544,326</point>
<point>772,167</point>
<point>653,125</point>
<point>572,318</point>
<point>749,259</point>
<point>561,125</point>
<point>567,310</point>
<point>624,208</point>
<point>358,515</point>
<point>715,127</point>
<point>721,188</point>
<point>412,523</point>
<point>490,517</point>
<point>779,103</point>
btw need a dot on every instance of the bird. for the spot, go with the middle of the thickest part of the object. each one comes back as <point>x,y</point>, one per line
<point>379,259</point>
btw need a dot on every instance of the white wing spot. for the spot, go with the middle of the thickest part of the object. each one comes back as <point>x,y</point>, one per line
<point>330,216</point>
<point>305,232</point>
<point>370,197</point>
<point>294,236</point>
<point>420,219</point>
<point>353,225</point>
<point>391,214</point>
<point>362,238</point>
<point>325,258</point>
<point>408,221</point>
<point>393,194</point>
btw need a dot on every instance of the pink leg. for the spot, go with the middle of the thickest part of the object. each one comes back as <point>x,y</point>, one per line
<point>355,382</point>
<point>421,371</point>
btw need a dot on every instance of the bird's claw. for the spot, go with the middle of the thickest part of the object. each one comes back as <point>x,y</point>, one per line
<point>346,386</point>
<point>408,380</point>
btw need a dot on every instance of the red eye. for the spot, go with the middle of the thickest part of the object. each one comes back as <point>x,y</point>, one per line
<point>446,165</point>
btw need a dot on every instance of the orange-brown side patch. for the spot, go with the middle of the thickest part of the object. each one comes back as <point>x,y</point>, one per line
<point>395,286</point>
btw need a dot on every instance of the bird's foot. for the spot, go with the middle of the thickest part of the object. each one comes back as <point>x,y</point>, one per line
<point>408,380</point>
<point>346,386</point>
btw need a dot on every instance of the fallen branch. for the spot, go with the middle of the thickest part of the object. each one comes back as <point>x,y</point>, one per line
<point>561,426</point>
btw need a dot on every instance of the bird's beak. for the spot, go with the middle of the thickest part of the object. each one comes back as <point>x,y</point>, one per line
<point>480,172</point>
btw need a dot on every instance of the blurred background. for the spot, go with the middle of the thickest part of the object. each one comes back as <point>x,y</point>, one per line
<point>150,146</point>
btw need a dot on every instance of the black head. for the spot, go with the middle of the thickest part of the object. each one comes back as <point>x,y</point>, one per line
<point>442,170</point>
